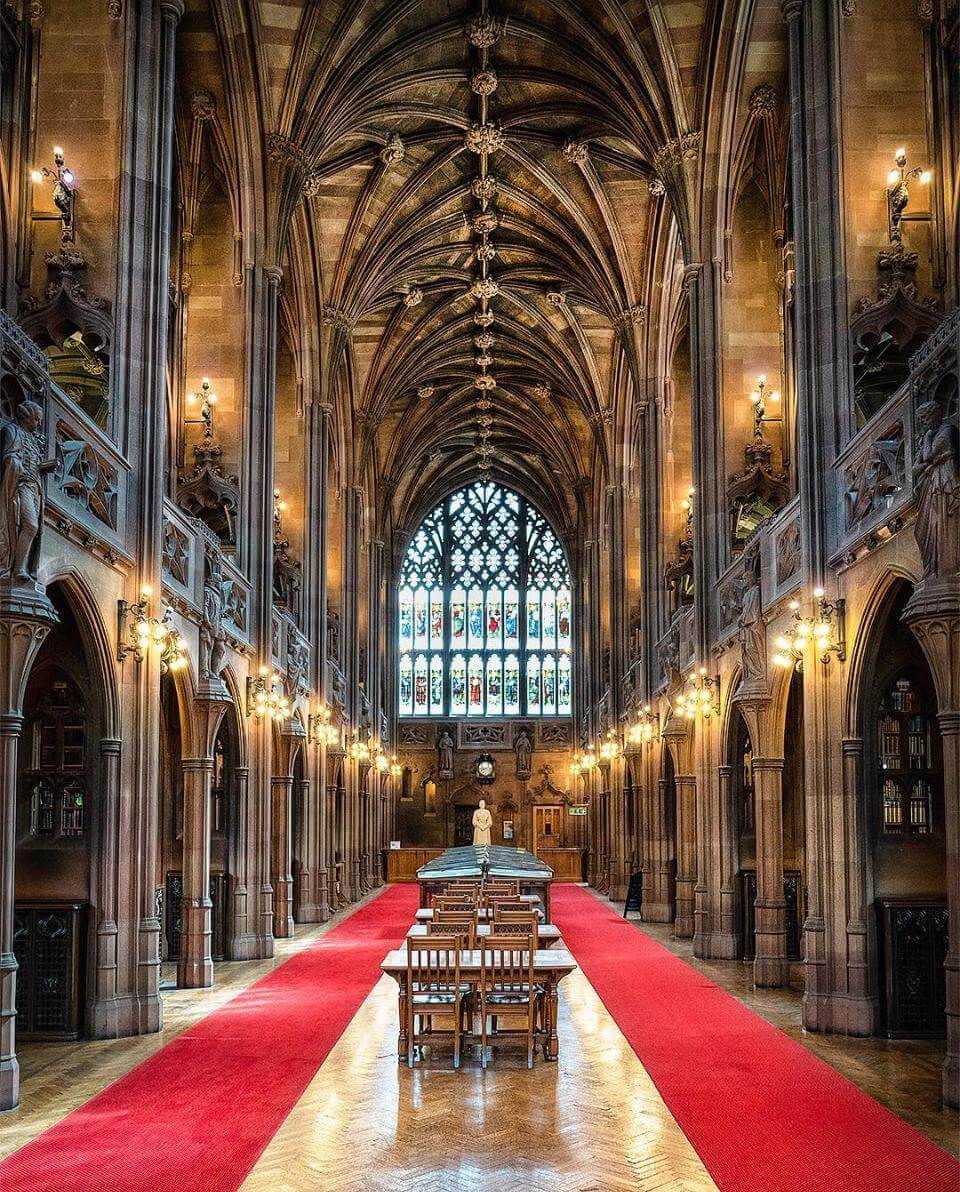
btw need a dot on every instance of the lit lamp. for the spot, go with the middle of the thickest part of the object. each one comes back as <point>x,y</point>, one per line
<point>138,632</point>
<point>64,194</point>
<point>204,399</point>
<point>759,397</point>
<point>824,630</point>
<point>360,750</point>
<point>645,727</point>
<point>265,696</point>
<point>898,195</point>
<point>396,770</point>
<point>700,696</point>
<point>609,748</point>
<point>320,728</point>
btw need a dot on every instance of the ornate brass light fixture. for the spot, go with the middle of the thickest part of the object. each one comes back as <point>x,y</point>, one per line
<point>321,729</point>
<point>898,195</point>
<point>700,696</point>
<point>645,728</point>
<point>64,194</point>
<point>138,631</point>
<point>205,399</point>
<point>824,630</point>
<point>609,749</point>
<point>760,397</point>
<point>265,696</point>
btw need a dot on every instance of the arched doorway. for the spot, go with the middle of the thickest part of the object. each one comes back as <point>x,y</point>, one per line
<point>59,835</point>
<point>222,819</point>
<point>903,810</point>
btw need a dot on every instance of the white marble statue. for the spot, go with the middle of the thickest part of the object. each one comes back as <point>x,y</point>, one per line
<point>482,823</point>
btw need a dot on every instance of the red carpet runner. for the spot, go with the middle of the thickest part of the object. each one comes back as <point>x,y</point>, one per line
<point>198,1113</point>
<point>763,1113</point>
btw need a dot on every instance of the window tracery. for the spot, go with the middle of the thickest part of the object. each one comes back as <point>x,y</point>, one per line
<point>484,611</point>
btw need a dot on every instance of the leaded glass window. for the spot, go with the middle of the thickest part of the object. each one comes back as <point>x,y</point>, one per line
<point>484,611</point>
<point>905,760</point>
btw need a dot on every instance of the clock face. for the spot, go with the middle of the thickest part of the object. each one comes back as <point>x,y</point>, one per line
<point>485,769</point>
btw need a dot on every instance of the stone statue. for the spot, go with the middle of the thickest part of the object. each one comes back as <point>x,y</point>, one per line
<point>445,750</point>
<point>298,663</point>
<point>22,467</point>
<point>524,750</point>
<point>936,483</point>
<point>753,632</point>
<point>213,636</point>
<point>482,823</point>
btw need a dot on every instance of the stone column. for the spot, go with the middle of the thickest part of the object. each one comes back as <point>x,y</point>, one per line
<point>241,937</point>
<point>195,968</point>
<point>281,855</point>
<point>656,875</point>
<point>686,789</point>
<point>26,617</point>
<point>103,1013</point>
<point>308,876</point>
<point>728,862</point>
<point>770,968</point>
<point>933,615</point>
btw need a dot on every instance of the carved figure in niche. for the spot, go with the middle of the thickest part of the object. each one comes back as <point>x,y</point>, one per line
<point>936,482</point>
<point>524,750</point>
<point>753,631</point>
<point>213,636</point>
<point>297,666</point>
<point>22,467</point>
<point>445,750</point>
<point>333,635</point>
<point>482,823</point>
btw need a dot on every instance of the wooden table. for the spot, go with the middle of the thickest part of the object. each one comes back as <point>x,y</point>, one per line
<point>547,933</point>
<point>550,966</point>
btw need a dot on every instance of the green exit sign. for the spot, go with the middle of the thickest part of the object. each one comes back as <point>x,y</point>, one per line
<point>578,811</point>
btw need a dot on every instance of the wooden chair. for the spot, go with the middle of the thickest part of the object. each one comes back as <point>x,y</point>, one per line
<point>455,923</point>
<point>507,988</point>
<point>472,889</point>
<point>507,922</point>
<point>451,902</point>
<point>501,887</point>
<point>503,902</point>
<point>434,987</point>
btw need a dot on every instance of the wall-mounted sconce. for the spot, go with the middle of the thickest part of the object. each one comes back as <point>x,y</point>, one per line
<point>824,630</point>
<point>759,398</point>
<point>700,695</point>
<point>204,401</point>
<point>645,728</point>
<point>609,749</point>
<point>138,631</point>
<point>265,696</point>
<point>396,770</point>
<point>64,195</point>
<point>320,728</point>
<point>360,750</point>
<point>898,195</point>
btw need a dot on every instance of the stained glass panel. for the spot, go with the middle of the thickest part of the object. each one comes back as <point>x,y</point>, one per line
<point>436,685</point>
<point>484,572</point>
<point>420,685</point>
<point>494,686</point>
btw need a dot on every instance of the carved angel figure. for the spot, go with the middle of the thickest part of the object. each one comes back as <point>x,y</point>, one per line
<point>22,467</point>
<point>936,481</point>
<point>213,637</point>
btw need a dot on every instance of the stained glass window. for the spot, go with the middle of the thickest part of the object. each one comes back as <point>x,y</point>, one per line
<point>484,611</point>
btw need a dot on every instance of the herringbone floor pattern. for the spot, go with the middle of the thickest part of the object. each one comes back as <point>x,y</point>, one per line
<point>593,1122</point>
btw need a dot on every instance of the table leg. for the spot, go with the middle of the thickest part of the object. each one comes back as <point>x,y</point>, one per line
<point>551,1042</point>
<point>402,1006</point>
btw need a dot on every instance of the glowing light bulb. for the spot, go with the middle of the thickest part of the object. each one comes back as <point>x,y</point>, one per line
<point>36,176</point>
<point>893,177</point>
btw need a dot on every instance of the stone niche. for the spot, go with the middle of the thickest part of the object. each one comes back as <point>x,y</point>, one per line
<point>531,763</point>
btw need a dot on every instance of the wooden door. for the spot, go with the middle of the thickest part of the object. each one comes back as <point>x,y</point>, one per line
<point>463,824</point>
<point>547,828</point>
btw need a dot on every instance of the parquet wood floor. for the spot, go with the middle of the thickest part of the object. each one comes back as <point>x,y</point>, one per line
<point>593,1122</point>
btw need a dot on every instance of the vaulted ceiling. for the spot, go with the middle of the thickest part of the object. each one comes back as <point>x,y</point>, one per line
<point>481,188</point>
